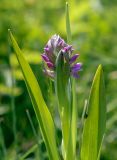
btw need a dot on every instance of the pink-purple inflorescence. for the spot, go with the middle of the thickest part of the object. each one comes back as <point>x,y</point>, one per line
<point>51,50</point>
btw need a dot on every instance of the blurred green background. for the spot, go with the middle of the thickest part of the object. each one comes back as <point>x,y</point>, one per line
<point>33,22</point>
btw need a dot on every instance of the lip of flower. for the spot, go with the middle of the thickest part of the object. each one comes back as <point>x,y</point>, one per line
<point>73,58</point>
<point>50,65</point>
<point>45,57</point>
<point>75,69</point>
<point>46,49</point>
<point>67,48</point>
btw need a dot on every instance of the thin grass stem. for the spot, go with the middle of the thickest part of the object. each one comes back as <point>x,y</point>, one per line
<point>2,142</point>
<point>68,28</point>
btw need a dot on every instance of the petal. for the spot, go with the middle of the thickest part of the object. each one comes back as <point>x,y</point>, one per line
<point>68,48</point>
<point>49,73</point>
<point>61,43</point>
<point>50,65</point>
<point>46,49</point>
<point>76,67</point>
<point>73,58</point>
<point>75,74</point>
<point>45,57</point>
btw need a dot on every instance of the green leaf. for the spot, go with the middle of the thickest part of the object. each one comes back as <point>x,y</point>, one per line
<point>95,123</point>
<point>68,29</point>
<point>71,149</point>
<point>63,91</point>
<point>74,117</point>
<point>43,115</point>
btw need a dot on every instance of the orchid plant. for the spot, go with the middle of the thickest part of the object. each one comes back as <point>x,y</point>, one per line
<point>61,66</point>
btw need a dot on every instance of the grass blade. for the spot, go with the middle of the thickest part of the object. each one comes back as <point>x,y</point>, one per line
<point>95,123</point>
<point>32,126</point>
<point>68,29</point>
<point>43,115</point>
<point>31,150</point>
<point>2,142</point>
<point>71,149</point>
<point>74,117</point>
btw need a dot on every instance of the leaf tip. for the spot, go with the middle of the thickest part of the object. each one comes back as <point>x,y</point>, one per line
<point>66,3</point>
<point>9,30</point>
<point>100,68</point>
<point>10,33</point>
<point>67,7</point>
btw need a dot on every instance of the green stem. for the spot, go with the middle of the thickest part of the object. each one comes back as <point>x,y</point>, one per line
<point>63,92</point>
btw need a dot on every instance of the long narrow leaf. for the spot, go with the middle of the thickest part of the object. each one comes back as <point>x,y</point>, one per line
<point>68,29</point>
<point>73,130</point>
<point>74,117</point>
<point>63,90</point>
<point>43,115</point>
<point>95,123</point>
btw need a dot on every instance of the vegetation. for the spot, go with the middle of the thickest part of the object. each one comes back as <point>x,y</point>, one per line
<point>33,22</point>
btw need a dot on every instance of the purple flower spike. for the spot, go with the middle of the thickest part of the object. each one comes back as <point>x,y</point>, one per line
<point>73,58</point>
<point>50,65</point>
<point>51,51</point>
<point>45,57</point>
